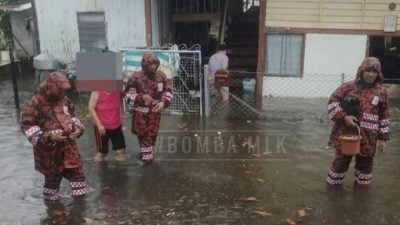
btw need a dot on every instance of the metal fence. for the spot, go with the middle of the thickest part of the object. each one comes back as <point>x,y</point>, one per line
<point>182,67</point>
<point>288,98</point>
<point>241,103</point>
<point>279,94</point>
<point>192,92</point>
<point>283,96</point>
<point>312,85</point>
<point>304,86</point>
<point>304,98</point>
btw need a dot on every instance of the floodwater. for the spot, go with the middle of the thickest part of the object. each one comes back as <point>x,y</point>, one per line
<point>214,172</point>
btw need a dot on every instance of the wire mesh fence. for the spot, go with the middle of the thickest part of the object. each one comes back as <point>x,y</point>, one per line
<point>182,67</point>
<point>284,98</point>
<point>305,86</point>
<point>280,94</point>
<point>305,98</point>
<point>240,101</point>
<point>186,85</point>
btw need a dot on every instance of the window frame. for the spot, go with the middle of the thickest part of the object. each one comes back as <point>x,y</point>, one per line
<point>303,43</point>
<point>91,13</point>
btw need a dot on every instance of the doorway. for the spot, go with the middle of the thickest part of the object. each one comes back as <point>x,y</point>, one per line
<point>209,22</point>
<point>387,50</point>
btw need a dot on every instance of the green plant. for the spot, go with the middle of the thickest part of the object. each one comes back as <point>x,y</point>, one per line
<point>4,43</point>
<point>5,26</point>
<point>5,31</point>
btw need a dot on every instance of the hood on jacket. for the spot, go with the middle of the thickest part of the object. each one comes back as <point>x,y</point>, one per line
<point>52,89</point>
<point>367,64</point>
<point>147,60</point>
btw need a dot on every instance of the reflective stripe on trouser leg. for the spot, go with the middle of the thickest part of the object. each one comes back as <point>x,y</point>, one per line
<point>362,178</point>
<point>334,178</point>
<point>50,195</point>
<point>147,153</point>
<point>78,188</point>
<point>51,188</point>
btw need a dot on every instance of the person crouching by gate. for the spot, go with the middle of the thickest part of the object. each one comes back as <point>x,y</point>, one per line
<point>147,93</point>
<point>105,108</point>
<point>362,102</point>
<point>49,122</point>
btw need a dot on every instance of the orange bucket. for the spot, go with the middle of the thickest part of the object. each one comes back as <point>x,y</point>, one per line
<point>350,143</point>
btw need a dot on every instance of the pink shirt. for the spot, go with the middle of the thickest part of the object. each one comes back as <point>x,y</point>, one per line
<point>108,109</point>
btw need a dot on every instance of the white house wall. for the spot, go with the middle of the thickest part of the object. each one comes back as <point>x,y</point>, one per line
<point>154,23</point>
<point>326,57</point>
<point>58,26</point>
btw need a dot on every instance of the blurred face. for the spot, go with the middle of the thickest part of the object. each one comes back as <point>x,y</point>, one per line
<point>153,67</point>
<point>64,82</point>
<point>369,76</point>
<point>150,63</point>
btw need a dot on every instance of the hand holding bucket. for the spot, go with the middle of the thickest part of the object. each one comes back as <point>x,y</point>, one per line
<point>350,143</point>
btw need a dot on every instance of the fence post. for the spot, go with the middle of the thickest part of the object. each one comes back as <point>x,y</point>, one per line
<point>206,100</point>
<point>15,83</point>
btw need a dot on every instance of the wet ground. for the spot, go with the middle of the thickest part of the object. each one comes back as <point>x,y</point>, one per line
<point>215,172</point>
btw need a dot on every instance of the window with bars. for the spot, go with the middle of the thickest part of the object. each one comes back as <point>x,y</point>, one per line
<point>284,54</point>
<point>92,31</point>
<point>248,4</point>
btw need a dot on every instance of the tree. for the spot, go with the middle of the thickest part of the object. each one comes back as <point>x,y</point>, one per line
<point>5,30</point>
<point>5,25</point>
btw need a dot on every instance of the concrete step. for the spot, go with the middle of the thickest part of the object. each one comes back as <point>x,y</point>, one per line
<point>241,39</point>
<point>243,52</point>
<point>241,44</point>
<point>243,61</point>
<point>244,28</point>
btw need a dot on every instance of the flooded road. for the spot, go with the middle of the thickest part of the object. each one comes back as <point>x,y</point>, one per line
<point>214,172</point>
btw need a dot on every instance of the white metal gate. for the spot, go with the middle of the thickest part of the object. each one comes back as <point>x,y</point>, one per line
<point>182,67</point>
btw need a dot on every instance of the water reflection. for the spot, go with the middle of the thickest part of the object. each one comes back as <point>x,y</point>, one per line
<point>113,188</point>
<point>348,204</point>
<point>113,183</point>
<point>60,213</point>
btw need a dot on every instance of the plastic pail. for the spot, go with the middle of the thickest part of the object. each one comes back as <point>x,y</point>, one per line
<point>249,86</point>
<point>350,143</point>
